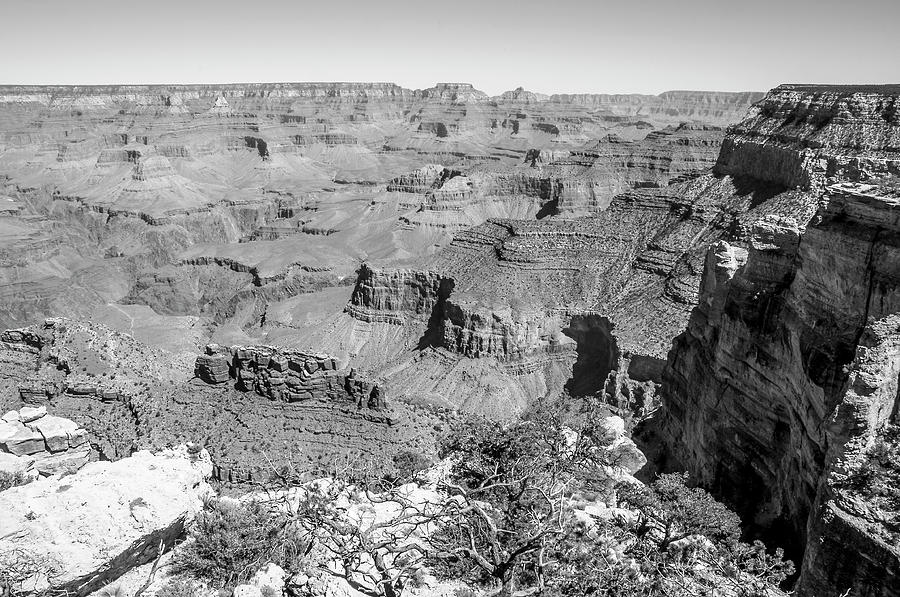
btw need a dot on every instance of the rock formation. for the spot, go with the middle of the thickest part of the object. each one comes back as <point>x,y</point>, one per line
<point>35,443</point>
<point>605,293</point>
<point>787,369</point>
<point>286,375</point>
<point>128,195</point>
<point>362,260</point>
<point>804,135</point>
<point>78,532</point>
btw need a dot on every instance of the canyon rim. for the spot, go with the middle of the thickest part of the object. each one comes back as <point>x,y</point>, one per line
<point>361,339</point>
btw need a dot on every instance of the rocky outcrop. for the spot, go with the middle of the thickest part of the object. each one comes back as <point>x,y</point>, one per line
<point>521,95</point>
<point>427,180</point>
<point>76,533</point>
<point>461,324</point>
<point>454,92</point>
<point>504,332</point>
<point>286,375</point>
<point>805,136</point>
<point>422,180</point>
<point>389,295</point>
<point>37,443</point>
<point>453,195</point>
<point>153,167</point>
<point>787,363</point>
<point>787,366</point>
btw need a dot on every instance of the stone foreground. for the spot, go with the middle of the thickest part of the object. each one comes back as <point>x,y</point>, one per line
<point>36,443</point>
<point>77,533</point>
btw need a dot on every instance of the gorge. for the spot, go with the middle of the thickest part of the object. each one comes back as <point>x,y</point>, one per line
<point>296,275</point>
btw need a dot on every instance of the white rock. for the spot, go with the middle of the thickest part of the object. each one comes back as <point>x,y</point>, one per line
<point>247,591</point>
<point>63,462</point>
<point>625,454</point>
<point>31,413</point>
<point>271,576</point>
<point>56,431</point>
<point>299,580</point>
<point>11,416</point>
<point>9,429</point>
<point>612,427</point>
<point>24,441</point>
<point>104,520</point>
<point>10,463</point>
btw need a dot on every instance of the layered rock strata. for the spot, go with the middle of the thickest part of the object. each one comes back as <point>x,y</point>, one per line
<point>533,296</point>
<point>787,371</point>
<point>387,295</point>
<point>286,375</point>
<point>33,442</point>
<point>126,193</point>
<point>805,135</point>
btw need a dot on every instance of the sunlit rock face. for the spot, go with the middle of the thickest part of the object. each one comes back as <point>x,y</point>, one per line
<point>803,135</point>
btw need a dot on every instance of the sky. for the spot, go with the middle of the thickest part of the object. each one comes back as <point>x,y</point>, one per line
<point>549,46</point>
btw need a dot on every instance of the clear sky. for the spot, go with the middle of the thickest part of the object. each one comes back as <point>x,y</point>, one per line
<point>551,46</point>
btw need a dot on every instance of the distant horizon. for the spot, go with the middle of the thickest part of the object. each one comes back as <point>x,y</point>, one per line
<point>571,47</point>
<point>476,87</point>
<point>850,86</point>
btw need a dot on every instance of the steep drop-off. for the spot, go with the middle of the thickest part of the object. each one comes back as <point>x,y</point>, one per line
<point>786,372</point>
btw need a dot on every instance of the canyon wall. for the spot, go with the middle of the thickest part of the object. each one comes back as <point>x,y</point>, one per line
<point>787,366</point>
<point>127,195</point>
<point>803,135</point>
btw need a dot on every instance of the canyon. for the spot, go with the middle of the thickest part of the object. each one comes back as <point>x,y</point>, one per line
<point>297,276</point>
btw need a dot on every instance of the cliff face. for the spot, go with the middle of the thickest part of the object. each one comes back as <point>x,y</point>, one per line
<point>787,366</point>
<point>389,295</point>
<point>503,332</point>
<point>590,304</point>
<point>800,136</point>
<point>460,350</point>
<point>680,106</point>
<point>588,179</point>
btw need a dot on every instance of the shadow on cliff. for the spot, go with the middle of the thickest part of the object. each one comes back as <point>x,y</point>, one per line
<point>551,208</point>
<point>759,191</point>
<point>434,332</point>
<point>433,336</point>
<point>598,354</point>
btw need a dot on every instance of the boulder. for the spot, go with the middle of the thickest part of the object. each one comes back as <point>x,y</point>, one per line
<point>23,440</point>
<point>85,530</point>
<point>62,462</point>
<point>11,417</point>
<point>12,464</point>
<point>9,428</point>
<point>28,414</point>
<point>270,579</point>
<point>55,430</point>
<point>47,444</point>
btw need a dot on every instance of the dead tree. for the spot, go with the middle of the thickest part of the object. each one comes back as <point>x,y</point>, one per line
<point>377,557</point>
<point>510,495</point>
